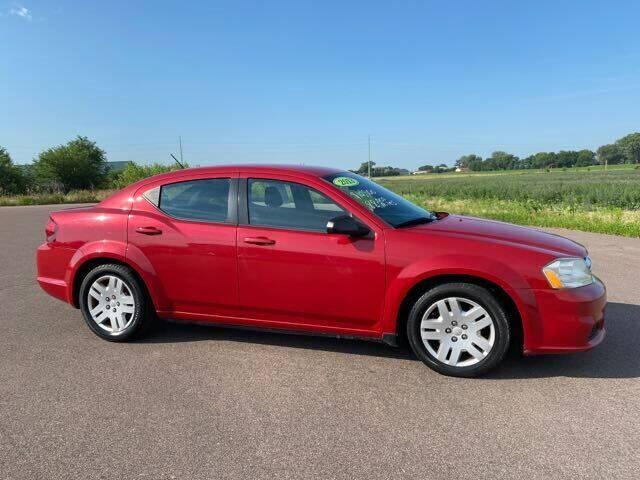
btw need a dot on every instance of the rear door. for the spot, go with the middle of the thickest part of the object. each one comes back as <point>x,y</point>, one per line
<point>294,274</point>
<point>186,232</point>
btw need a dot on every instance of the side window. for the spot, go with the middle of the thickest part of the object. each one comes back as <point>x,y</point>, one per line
<point>273,203</point>
<point>203,200</point>
<point>153,196</point>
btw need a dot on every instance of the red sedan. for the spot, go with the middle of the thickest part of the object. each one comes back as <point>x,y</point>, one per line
<point>325,251</point>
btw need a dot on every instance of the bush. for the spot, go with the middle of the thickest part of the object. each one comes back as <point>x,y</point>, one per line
<point>79,164</point>
<point>134,172</point>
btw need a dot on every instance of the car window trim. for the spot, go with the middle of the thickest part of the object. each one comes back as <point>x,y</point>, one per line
<point>232,204</point>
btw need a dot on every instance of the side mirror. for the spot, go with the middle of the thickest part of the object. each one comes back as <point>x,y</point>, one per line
<point>346,225</point>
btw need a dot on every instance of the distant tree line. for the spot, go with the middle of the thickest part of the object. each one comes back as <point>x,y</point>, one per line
<point>624,150</point>
<point>380,171</point>
<point>78,165</point>
<point>442,168</point>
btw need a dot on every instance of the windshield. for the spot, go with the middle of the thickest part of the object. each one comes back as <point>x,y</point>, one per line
<point>390,207</point>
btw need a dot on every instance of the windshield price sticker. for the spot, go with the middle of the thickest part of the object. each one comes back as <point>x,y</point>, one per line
<point>345,182</point>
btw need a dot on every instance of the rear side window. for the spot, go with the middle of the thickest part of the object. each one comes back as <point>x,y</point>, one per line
<point>274,203</point>
<point>202,200</point>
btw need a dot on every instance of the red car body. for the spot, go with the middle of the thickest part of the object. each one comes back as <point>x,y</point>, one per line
<point>275,278</point>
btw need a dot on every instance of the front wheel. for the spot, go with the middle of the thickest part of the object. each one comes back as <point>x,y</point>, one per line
<point>459,329</point>
<point>113,303</point>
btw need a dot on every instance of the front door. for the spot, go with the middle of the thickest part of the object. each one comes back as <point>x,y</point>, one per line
<point>294,274</point>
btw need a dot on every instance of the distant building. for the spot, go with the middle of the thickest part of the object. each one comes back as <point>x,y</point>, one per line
<point>420,172</point>
<point>461,169</point>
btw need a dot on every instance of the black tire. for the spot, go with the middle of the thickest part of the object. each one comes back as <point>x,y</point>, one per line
<point>480,296</point>
<point>142,316</point>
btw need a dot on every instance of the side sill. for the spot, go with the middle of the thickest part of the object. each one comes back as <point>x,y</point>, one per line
<point>286,331</point>
<point>390,339</point>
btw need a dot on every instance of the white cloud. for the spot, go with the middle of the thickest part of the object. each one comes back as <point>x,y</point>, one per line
<point>20,11</point>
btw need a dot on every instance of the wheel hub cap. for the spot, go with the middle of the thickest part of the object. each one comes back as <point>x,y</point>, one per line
<point>111,304</point>
<point>457,331</point>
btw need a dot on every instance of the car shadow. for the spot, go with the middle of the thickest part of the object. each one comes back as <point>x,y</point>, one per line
<point>617,357</point>
<point>178,331</point>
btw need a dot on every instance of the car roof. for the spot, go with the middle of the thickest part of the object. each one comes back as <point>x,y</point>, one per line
<point>273,168</point>
<point>305,170</point>
<point>175,175</point>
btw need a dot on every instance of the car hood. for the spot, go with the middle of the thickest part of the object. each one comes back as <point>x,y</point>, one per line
<point>492,230</point>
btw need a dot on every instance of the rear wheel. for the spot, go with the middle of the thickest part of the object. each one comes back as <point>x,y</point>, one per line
<point>113,303</point>
<point>459,329</point>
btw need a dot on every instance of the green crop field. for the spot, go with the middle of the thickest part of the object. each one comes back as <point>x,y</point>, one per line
<point>583,199</point>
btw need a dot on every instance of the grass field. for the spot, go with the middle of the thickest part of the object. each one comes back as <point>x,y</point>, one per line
<point>76,196</point>
<point>582,199</point>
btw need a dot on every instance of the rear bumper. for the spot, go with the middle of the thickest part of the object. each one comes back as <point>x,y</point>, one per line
<point>55,288</point>
<point>52,265</point>
<point>568,320</point>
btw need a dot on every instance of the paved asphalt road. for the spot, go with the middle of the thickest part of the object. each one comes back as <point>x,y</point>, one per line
<point>206,402</point>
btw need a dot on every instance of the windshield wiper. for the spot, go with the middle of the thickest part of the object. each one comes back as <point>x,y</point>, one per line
<point>415,221</point>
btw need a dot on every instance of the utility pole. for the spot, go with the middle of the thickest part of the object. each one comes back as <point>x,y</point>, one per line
<point>369,162</point>
<point>180,143</point>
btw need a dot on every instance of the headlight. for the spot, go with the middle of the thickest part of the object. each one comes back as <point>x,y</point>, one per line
<point>569,272</point>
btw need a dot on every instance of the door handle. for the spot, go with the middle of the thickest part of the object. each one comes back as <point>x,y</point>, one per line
<point>259,241</point>
<point>149,230</point>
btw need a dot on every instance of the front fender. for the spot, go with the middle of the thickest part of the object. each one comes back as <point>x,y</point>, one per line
<point>401,281</point>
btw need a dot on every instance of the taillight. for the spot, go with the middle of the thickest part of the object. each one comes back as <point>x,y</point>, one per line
<point>50,230</point>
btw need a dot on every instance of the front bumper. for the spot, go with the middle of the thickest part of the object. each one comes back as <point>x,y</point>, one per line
<point>568,320</point>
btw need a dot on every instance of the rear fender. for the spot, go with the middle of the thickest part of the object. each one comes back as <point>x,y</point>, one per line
<point>108,250</point>
<point>139,261</point>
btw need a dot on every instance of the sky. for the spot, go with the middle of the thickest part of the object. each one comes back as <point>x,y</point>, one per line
<point>308,81</point>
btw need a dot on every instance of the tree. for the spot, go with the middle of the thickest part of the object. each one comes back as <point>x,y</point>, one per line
<point>586,158</point>
<point>426,168</point>
<point>541,160</point>
<point>385,172</point>
<point>610,154</point>
<point>79,164</point>
<point>630,146</point>
<point>364,168</point>
<point>442,168</point>
<point>501,161</point>
<point>471,162</point>
<point>566,158</point>
<point>12,181</point>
